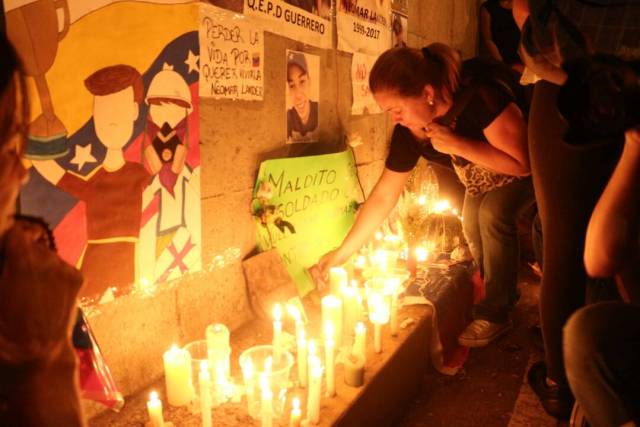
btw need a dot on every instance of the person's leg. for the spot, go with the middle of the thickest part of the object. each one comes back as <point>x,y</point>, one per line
<point>602,358</point>
<point>498,215</point>
<point>568,181</point>
<point>471,228</point>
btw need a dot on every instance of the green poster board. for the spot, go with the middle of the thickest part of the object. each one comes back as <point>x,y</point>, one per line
<point>303,207</point>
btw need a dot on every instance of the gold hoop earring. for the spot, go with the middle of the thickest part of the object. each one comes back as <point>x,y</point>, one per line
<point>431,103</point>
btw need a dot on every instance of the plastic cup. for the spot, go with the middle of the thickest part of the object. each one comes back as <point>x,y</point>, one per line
<point>253,363</point>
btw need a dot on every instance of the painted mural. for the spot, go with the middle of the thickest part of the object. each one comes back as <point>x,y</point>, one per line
<point>113,147</point>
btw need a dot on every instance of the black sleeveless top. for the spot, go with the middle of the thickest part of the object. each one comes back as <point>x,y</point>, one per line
<point>504,31</point>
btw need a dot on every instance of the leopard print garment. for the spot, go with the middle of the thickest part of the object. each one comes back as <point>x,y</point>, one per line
<point>478,180</point>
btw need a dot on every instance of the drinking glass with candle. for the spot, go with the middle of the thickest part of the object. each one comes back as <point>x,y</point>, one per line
<point>199,354</point>
<point>258,362</point>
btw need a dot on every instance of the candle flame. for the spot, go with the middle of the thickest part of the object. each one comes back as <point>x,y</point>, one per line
<point>204,366</point>
<point>441,206</point>
<point>153,396</point>
<point>360,261</point>
<point>378,235</point>
<point>422,199</point>
<point>360,327</point>
<point>296,403</point>
<point>294,312</point>
<point>422,254</point>
<point>277,312</point>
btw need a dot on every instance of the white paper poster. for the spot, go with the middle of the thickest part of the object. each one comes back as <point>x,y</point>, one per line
<point>363,26</point>
<point>306,21</point>
<point>231,55</point>
<point>303,91</point>
<point>362,98</point>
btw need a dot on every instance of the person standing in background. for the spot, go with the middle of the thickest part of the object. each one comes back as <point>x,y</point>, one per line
<point>499,33</point>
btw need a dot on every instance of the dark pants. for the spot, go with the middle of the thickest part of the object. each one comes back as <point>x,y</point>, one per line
<point>602,359</point>
<point>568,181</point>
<point>489,222</point>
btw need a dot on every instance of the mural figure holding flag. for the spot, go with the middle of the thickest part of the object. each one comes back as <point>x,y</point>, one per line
<point>112,191</point>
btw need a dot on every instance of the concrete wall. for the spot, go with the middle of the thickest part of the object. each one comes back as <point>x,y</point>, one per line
<point>235,137</point>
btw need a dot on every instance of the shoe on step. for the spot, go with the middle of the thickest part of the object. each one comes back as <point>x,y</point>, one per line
<point>481,332</point>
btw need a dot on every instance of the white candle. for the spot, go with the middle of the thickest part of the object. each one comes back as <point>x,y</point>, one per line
<point>360,342</point>
<point>351,307</point>
<point>332,312</point>
<point>248,372</point>
<point>277,331</point>
<point>302,359</point>
<point>337,279</point>
<point>204,379</point>
<point>329,347</point>
<point>177,374</point>
<point>267,402</point>
<point>218,347</point>
<point>296,413</point>
<point>377,337</point>
<point>379,315</point>
<point>154,407</point>
<point>315,384</point>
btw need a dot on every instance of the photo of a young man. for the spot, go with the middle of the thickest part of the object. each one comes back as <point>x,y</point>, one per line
<point>302,95</point>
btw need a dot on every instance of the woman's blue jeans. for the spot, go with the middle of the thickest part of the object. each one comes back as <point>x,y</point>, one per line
<point>490,226</point>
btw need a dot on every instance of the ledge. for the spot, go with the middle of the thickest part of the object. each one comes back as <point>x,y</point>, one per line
<point>392,378</point>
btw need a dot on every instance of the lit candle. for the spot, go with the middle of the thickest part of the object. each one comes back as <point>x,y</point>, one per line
<point>248,372</point>
<point>379,315</point>
<point>311,355</point>
<point>154,407</point>
<point>332,312</point>
<point>267,401</point>
<point>219,352</point>
<point>315,384</point>
<point>351,307</point>
<point>329,347</point>
<point>297,317</point>
<point>204,379</point>
<point>177,374</point>
<point>359,265</point>
<point>337,279</point>
<point>296,413</point>
<point>393,287</point>
<point>422,254</point>
<point>360,342</point>
<point>277,331</point>
<point>302,359</point>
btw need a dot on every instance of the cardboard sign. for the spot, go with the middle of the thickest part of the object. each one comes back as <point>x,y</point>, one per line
<point>362,97</point>
<point>364,26</point>
<point>232,56</point>
<point>303,207</point>
<point>306,21</point>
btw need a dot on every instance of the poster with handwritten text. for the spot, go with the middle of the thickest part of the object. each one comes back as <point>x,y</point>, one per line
<point>362,98</point>
<point>306,21</point>
<point>364,26</point>
<point>231,56</point>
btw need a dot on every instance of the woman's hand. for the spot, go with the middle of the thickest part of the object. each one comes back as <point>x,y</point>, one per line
<point>443,138</point>
<point>320,271</point>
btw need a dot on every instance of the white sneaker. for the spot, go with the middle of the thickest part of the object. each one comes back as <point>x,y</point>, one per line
<point>480,332</point>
